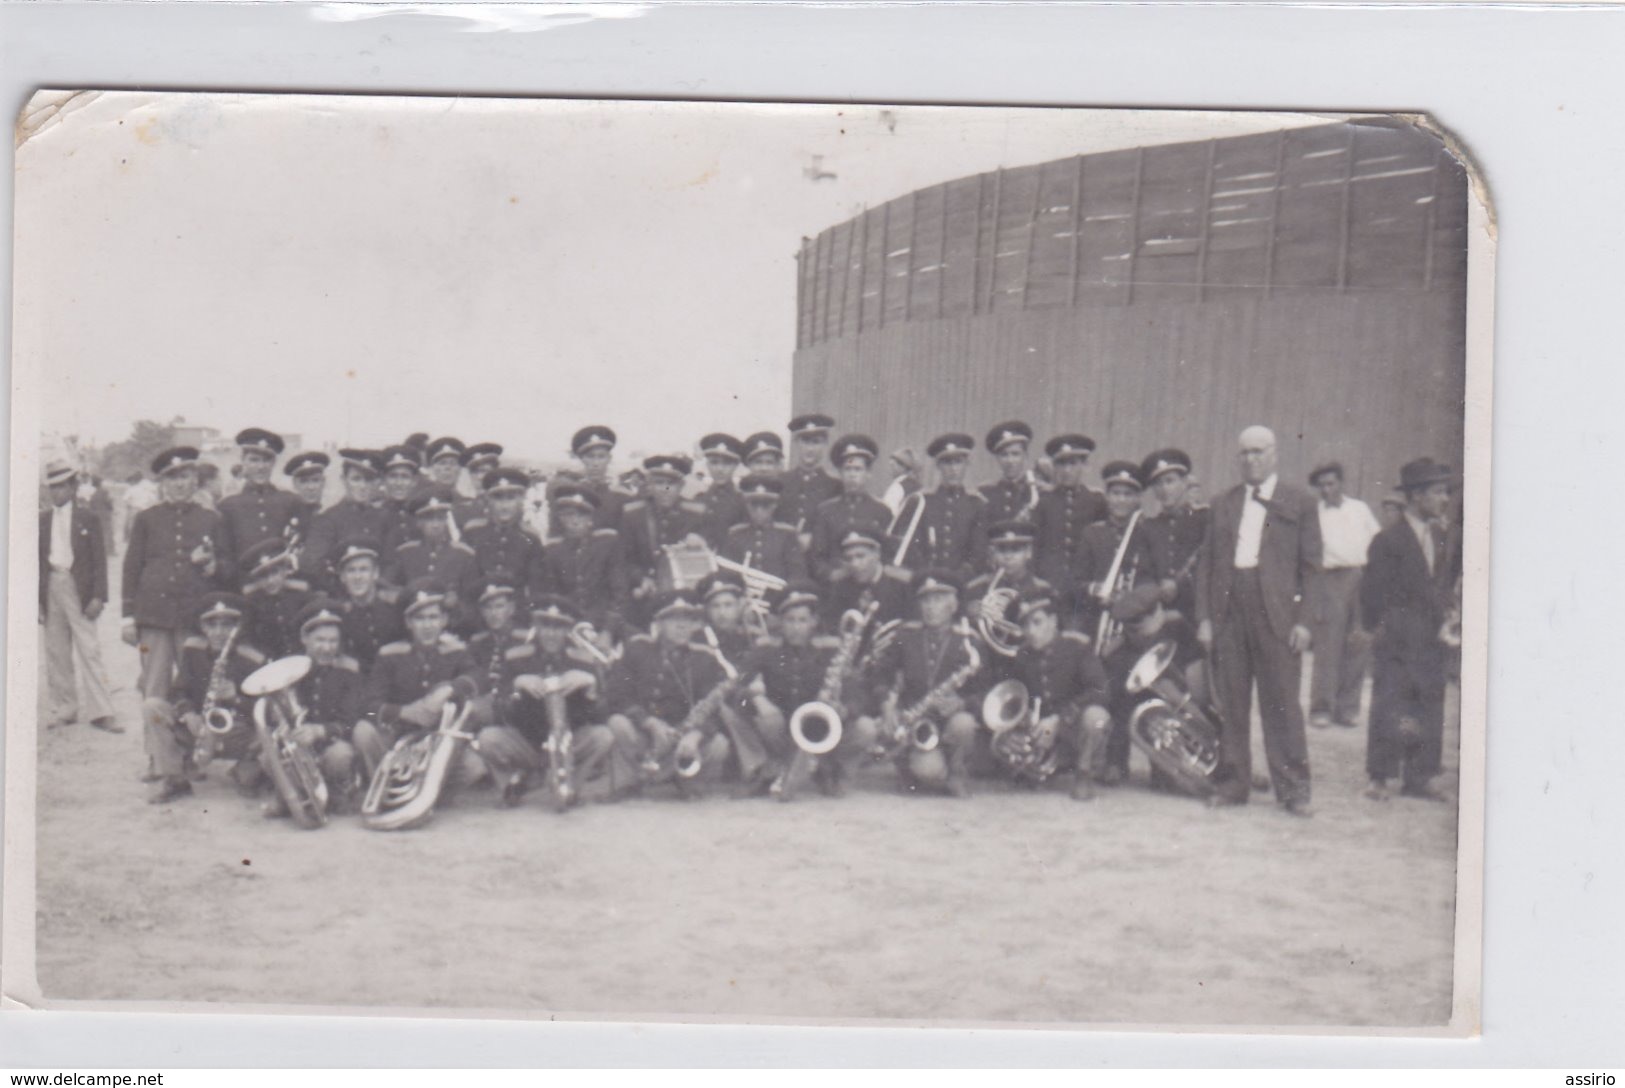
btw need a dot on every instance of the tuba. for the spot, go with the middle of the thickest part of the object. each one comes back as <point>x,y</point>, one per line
<point>407,784</point>
<point>993,622</point>
<point>1012,715</point>
<point>1176,732</point>
<point>277,714</point>
<point>816,727</point>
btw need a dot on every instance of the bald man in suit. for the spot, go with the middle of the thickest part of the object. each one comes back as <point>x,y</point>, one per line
<point>1253,614</point>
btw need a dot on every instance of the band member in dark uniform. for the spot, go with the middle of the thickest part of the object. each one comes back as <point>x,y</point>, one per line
<point>761,543</point>
<point>171,559</point>
<point>585,565</point>
<point>532,665</point>
<point>371,615</point>
<point>478,460</point>
<point>261,510</point>
<point>764,454</point>
<point>1011,581</point>
<point>1253,614</point>
<point>308,471</point>
<point>1059,518</point>
<point>657,683</point>
<point>724,508</point>
<point>594,447</point>
<point>333,696</point>
<point>661,520</point>
<point>275,598</point>
<point>1101,541</point>
<point>1412,572</point>
<point>1061,672</point>
<point>500,541</point>
<point>862,581</point>
<point>1014,496</point>
<point>853,509</point>
<point>403,477</point>
<point>806,484</point>
<point>930,657</point>
<point>952,531</point>
<point>357,516</point>
<point>1177,532</point>
<point>444,460</point>
<point>209,716</point>
<point>433,554</point>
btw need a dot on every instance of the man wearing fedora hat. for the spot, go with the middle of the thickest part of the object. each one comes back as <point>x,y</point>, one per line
<point>173,558</point>
<point>1410,575</point>
<point>72,594</point>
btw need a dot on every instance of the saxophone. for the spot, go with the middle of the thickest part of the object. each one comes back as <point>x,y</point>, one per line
<point>815,727</point>
<point>913,725</point>
<point>217,719</point>
<point>701,711</point>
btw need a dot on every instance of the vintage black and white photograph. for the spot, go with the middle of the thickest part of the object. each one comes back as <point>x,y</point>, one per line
<point>640,560</point>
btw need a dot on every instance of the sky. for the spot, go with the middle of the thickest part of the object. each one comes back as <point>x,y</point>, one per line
<point>352,269</point>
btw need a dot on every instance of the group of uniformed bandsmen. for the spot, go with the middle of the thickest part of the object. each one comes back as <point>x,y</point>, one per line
<point>416,589</point>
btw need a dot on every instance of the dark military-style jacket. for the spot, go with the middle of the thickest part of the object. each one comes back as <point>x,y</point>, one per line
<point>272,620</point>
<point>590,571</point>
<point>724,508</point>
<point>656,679</point>
<point>511,549</point>
<point>1066,675</point>
<point>1027,586</point>
<point>451,564</point>
<point>836,517</point>
<point>772,549</point>
<point>335,696</point>
<point>400,525</point>
<point>369,625</point>
<point>735,644</point>
<point>791,675</point>
<point>1058,523</point>
<point>344,520</point>
<point>804,490</point>
<point>1009,500</point>
<point>919,659</point>
<point>843,593</point>
<point>162,586</point>
<point>1176,536</point>
<point>489,649</point>
<point>529,715</point>
<point>1094,563</point>
<point>611,502</point>
<point>952,534</point>
<point>195,666</point>
<point>405,672</point>
<point>257,512</point>
<point>645,529</point>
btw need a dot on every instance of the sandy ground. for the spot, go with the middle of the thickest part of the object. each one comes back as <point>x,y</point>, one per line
<point>1137,908</point>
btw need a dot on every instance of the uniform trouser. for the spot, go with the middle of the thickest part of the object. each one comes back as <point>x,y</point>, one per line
<point>169,742</point>
<point>858,738</point>
<point>68,631</point>
<point>1246,649</point>
<point>373,741</point>
<point>1082,741</point>
<point>593,748</point>
<point>337,763</point>
<point>157,647</point>
<point>948,761</point>
<point>1407,721</point>
<point>1340,647</point>
<point>660,759</point>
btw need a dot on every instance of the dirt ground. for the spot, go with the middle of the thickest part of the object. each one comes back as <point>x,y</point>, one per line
<point>1136,908</point>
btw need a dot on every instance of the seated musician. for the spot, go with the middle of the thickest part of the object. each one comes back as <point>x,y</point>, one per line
<point>495,596</point>
<point>275,598</point>
<point>921,678</point>
<point>412,681</point>
<point>1010,580</point>
<point>861,580</point>
<point>666,692</point>
<point>333,697</point>
<point>1066,680</point>
<point>760,542</point>
<point>722,594</point>
<point>1145,622</point>
<point>535,667</point>
<point>208,717</point>
<point>372,616</point>
<point>794,672</point>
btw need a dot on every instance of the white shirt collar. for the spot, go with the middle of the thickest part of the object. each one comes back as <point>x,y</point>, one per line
<point>1267,488</point>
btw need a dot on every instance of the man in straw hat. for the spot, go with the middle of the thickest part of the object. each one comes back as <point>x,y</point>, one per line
<point>72,594</point>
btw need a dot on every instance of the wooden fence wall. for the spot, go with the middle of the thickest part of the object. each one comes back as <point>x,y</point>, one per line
<point>1311,280</point>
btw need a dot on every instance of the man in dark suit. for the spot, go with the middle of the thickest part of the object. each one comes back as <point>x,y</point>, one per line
<point>72,594</point>
<point>1252,614</point>
<point>1410,576</point>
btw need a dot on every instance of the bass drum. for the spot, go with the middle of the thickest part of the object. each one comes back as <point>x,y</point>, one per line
<point>1182,743</point>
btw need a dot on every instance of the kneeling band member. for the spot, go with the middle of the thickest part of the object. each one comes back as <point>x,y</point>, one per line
<point>209,717</point>
<point>794,672</point>
<point>924,672</point>
<point>412,681</point>
<point>334,701</point>
<point>1067,682</point>
<point>548,663</point>
<point>671,694</point>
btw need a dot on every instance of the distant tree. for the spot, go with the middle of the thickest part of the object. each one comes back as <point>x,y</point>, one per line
<point>147,439</point>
